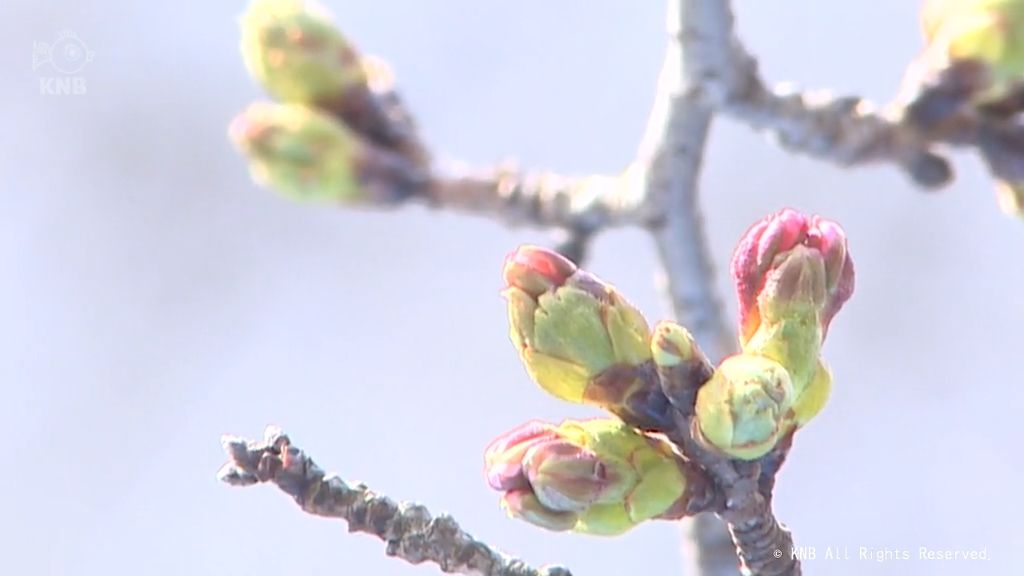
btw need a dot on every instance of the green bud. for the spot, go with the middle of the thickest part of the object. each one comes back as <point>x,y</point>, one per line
<point>794,341</point>
<point>593,476</point>
<point>569,324</point>
<point>681,365</point>
<point>673,345</point>
<point>579,339</point>
<point>566,476</point>
<point>604,520</point>
<point>744,409</point>
<point>811,399</point>
<point>795,287</point>
<point>293,48</point>
<point>300,152</point>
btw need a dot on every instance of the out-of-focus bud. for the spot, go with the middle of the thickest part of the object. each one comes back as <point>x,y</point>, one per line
<point>934,99</point>
<point>1011,198</point>
<point>682,366</point>
<point>293,48</point>
<point>300,152</point>
<point>1002,148</point>
<point>579,339</point>
<point>592,476</point>
<point>746,406</point>
<point>983,31</point>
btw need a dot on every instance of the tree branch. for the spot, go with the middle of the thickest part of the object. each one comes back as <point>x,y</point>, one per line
<point>517,198</point>
<point>846,130</point>
<point>670,156</point>
<point>539,199</point>
<point>698,69</point>
<point>409,530</point>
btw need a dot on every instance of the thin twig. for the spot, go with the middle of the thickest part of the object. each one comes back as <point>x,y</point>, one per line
<point>409,530</point>
<point>846,130</point>
<point>543,200</point>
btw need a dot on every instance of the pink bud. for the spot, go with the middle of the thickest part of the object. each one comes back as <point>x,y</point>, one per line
<point>503,460</point>
<point>536,270</point>
<point>568,477</point>
<point>766,256</point>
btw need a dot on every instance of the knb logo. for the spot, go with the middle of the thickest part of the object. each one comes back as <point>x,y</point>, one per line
<point>67,56</point>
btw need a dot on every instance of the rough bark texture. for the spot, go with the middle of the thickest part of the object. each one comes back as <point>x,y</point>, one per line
<point>408,529</point>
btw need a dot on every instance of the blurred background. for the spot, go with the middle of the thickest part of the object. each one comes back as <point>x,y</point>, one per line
<point>154,298</point>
